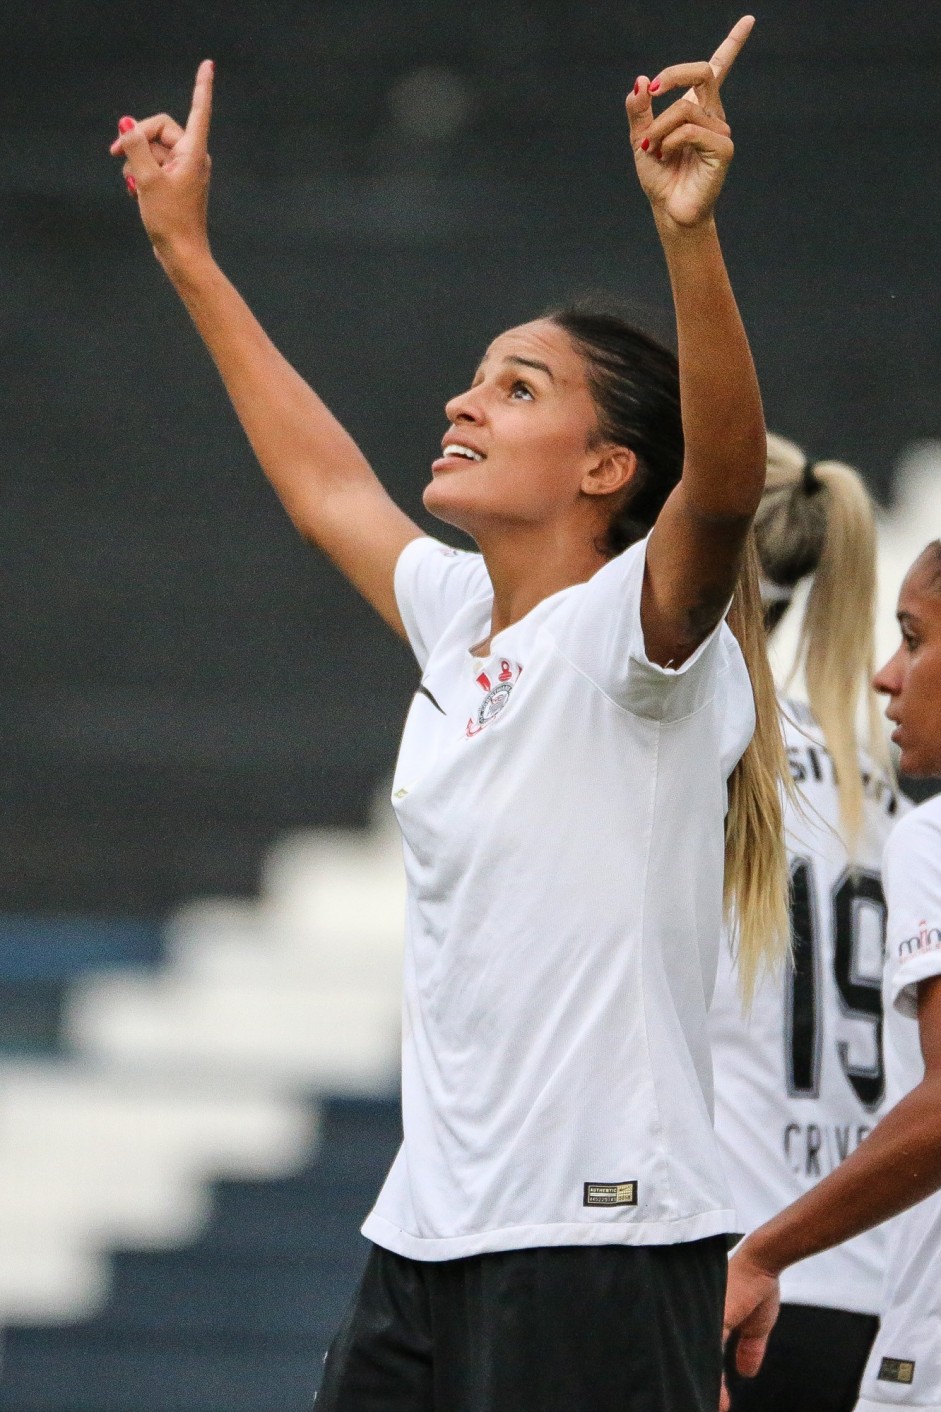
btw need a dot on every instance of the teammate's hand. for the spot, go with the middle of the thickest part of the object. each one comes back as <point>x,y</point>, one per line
<point>752,1301</point>
<point>167,169</point>
<point>682,156</point>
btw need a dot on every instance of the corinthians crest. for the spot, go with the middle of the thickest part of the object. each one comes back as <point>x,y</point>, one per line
<point>496,695</point>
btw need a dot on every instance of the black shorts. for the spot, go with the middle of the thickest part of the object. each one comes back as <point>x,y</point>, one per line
<point>814,1363</point>
<point>609,1328</point>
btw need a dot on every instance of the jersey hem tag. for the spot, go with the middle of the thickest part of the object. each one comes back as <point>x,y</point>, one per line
<point>610,1194</point>
<point>896,1370</point>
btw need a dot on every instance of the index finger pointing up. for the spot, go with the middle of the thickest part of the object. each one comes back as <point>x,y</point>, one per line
<point>197,124</point>
<point>730,48</point>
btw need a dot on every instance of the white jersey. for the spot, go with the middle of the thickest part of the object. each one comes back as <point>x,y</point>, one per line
<point>904,1368</point>
<point>800,1082</point>
<point>562,803</point>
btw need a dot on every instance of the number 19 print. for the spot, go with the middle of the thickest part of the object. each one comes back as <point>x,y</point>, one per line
<point>857,916</point>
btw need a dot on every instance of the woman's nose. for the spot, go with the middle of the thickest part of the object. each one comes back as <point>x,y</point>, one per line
<point>888,678</point>
<point>465,407</point>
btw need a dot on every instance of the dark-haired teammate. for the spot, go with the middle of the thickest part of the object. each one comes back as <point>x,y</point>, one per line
<point>899,1164</point>
<point>552,1233</point>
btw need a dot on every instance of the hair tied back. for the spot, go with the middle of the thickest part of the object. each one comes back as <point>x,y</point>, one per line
<point>810,481</point>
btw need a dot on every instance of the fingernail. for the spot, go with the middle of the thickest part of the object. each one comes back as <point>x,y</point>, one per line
<point>131,184</point>
<point>654,86</point>
<point>636,88</point>
<point>212,66</point>
<point>125,124</point>
<point>645,144</point>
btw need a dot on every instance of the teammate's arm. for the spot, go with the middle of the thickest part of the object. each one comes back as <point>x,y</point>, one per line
<point>325,483</point>
<point>695,549</point>
<point>898,1165</point>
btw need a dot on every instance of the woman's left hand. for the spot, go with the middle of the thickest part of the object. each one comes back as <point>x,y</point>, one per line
<point>682,156</point>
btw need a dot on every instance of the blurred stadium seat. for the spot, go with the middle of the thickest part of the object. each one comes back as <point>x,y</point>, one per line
<point>159,1287</point>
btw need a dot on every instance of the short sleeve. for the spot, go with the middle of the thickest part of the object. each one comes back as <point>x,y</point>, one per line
<point>605,640</point>
<point>432,584</point>
<point>911,876</point>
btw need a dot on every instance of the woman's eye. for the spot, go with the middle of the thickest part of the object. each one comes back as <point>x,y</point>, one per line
<point>910,642</point>
<point>521,389</point>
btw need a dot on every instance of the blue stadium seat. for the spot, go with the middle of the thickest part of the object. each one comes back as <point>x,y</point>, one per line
<point>36,948</point>
<point>39,956</point>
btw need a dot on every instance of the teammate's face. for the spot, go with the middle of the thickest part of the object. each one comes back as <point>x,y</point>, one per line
<point>912,677</point>
<point>530,423</point>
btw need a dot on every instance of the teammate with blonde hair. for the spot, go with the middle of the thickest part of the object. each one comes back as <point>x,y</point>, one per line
<point>816,524</point>
<point>799,1076</point>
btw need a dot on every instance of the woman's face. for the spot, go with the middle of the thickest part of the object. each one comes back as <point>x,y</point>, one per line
<point>912,677</point>
<point>521,446</point>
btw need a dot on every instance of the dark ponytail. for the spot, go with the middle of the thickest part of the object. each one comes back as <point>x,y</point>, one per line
<point>635,384</point>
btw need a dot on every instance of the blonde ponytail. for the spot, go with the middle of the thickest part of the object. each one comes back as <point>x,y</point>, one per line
<point>819,519</point>
<point>757,877</point>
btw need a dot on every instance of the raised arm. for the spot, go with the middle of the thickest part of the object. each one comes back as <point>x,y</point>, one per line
<point>325,483</point>
<point>696,546</point>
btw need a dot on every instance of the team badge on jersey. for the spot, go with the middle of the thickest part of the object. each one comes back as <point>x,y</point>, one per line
<point>897,1370</point>
<point>496,695</point>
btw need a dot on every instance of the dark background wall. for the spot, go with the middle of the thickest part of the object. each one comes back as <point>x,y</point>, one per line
<point>394,182</point>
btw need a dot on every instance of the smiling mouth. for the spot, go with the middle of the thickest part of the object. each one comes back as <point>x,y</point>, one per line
<point>457,456</point>
<point>456,450</point>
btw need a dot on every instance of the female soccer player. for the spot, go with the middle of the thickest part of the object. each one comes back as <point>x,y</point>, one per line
<point>552,1233</point>
<point>799,1080</point>
<point>899,1164</point>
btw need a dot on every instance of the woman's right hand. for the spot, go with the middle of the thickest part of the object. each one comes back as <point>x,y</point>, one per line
<point>167,169</point>
<point>683,155</point>
<point>752,1304</point>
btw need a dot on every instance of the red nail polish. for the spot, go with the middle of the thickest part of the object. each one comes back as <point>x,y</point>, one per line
<point>636,88</point>
<point>131,184</point>
<point>125,124</point>
<point>654,86</point>
<point>645,144</point>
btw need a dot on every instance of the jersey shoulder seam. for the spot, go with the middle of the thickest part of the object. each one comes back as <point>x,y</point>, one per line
<point>618,705</point>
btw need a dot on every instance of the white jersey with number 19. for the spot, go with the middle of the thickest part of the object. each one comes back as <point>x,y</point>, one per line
<point>800,1082</point>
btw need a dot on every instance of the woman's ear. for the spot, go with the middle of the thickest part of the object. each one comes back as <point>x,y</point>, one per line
<point>614,469</point>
